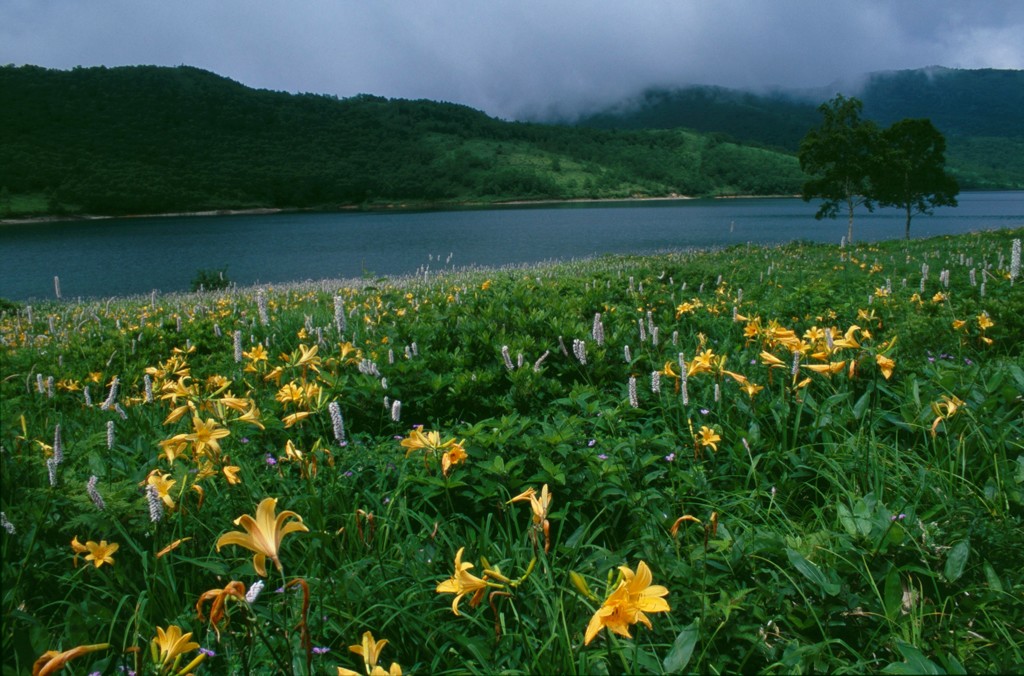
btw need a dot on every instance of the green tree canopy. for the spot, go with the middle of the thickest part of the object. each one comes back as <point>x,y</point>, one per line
<point>909,171</point>
<point>839,156</point>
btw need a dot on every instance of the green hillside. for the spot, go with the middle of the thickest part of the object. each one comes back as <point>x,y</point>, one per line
<point>977,110</point>
<point>148,139</point>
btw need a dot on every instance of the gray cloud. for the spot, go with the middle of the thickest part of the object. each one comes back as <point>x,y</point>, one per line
<point>516,59</point>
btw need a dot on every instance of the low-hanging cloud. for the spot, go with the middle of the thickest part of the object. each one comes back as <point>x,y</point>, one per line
<point>528,58</point>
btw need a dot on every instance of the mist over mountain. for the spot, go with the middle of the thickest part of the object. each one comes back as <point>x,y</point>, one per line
<point>979,112</point>
<point>959,102</point>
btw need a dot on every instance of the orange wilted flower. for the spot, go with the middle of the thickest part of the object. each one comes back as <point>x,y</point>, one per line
<point>53,661</point>
<point>218,601</point>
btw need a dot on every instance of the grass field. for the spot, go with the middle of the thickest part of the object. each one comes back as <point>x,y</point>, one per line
<point>777,460</point>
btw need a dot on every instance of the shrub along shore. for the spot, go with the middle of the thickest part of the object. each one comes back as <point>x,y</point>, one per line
<point>772,459</point>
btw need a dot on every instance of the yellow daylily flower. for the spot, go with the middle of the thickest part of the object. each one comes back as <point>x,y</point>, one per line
<point>79,549</point>
<point>169,646</point>
<point>751,388</point>
<point>848,340</point>
<point>462,582</point>
<point>231,474</point>
<point>251,416</point>
<point>69,385</point>
<point>628,604</point>
<point>985,322</point>
<point>771,361</point>
<point>53,661</point>
<point>234,403</point>
<point>174,447</point>
<point>174,545</point>
<point>825,369</point>
<point>708,437</point>
<point>101,553</point>
<point>206,435</point>
<point>163,484</point>
<point>539,505</point>
<point>370,651</point>
<point>944,409</point>
<point>294,418</point>
<point>453,456</point>
<point>291,393</point>
<point>885,365</point>
<point>307,357</point>
<point>263,534</point>
<point>420,440</point>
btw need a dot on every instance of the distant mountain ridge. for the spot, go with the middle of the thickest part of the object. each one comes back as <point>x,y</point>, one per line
<point>960,102</point>
<point>981,113</point>
<point>148,139</point>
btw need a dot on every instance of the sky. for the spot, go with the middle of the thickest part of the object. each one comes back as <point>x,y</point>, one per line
<point>517,59</point>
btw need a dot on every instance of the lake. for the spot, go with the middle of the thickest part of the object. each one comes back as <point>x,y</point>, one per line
<point>116,257</point>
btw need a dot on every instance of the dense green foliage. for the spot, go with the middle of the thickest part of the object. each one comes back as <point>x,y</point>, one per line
<point>149,139</point>
<point>837,486</point>
<point>977,110</point>
<point>852,162</point>
<point>839,155</point>
<point>910,170</point>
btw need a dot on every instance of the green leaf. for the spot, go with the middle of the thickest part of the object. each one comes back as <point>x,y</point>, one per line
<point>956,560</point>
<point>994,583</point>
<point>915,662</point>
<point>862,405</point>
<point>812,573</point>
<point>893,594</point>
<point>846,518</point>
<point>682,649</point>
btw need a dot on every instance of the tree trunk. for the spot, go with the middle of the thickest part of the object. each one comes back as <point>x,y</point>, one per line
<point>849,226</point>
<point>906,233</point>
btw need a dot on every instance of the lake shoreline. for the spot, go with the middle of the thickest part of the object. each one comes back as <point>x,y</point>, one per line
<point>389,206</point>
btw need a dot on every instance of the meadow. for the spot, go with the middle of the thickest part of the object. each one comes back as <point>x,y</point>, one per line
<point>790,459</point>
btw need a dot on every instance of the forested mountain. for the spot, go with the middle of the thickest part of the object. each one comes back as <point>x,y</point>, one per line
<point>979,112</point>
<point>148,139</point>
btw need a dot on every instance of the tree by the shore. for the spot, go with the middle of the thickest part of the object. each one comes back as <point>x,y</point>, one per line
<point>909,172</point>
<point>838,155</point>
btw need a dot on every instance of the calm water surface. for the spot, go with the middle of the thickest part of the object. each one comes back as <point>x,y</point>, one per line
<point>135,256</point>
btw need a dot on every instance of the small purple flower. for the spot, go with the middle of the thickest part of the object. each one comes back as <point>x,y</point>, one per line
<point>207,652</point>
<point>243,440</point>
<point>670,457</point>
<point>271,460</point>
<point>590,444</point>
<point>602,456</point>
<point>898,517</point>
<point>317,650</point>
<point>968,361</point>
<point>348,473</point>
<point>387,500</point>
<point>704,411</point>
